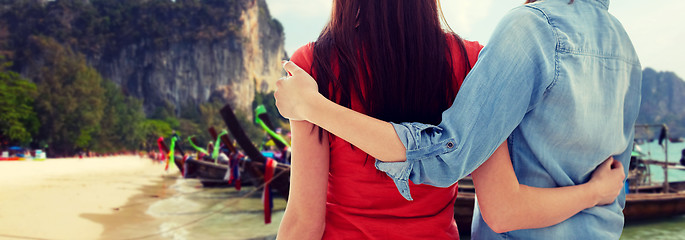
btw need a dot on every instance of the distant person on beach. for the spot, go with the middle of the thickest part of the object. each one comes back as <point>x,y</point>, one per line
<point>391,59</point>
<point>682,157</point>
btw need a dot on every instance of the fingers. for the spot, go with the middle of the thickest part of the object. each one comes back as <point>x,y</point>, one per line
<point>279,82</point>
<point>617,165</point>
<point>292,68</point>
<point>607,163</point>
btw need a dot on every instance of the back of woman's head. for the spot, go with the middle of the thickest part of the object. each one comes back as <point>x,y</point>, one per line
<point>392,55</point>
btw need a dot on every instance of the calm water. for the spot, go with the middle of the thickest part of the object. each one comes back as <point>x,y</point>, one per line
<point>673,228</point>
<point>224,213</point>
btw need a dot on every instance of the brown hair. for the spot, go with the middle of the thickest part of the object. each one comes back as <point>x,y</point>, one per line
<point>392,56</point>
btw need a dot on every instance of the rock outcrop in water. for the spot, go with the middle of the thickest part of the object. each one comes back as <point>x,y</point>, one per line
<point>179,53</point>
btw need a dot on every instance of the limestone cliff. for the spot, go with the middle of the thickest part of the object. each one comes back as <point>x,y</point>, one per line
<point>663,97</point>
<point>193,71</point>
<point>182,52</point>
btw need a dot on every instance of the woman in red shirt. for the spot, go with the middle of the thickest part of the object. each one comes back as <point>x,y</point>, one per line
<point>390,59</point>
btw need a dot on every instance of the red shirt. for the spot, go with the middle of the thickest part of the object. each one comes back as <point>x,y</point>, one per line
<point>363,203</point>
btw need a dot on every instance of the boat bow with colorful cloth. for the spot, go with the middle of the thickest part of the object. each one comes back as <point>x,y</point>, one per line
<point>211,170</point>
<point>166,154</point>
<point>255,163</point>
<point>282,151</point>
<point>200,151</point>
<point>267,197</point>
<point>237,167</point>
<point>226,165</point>
<point>171,153</point>
<point>163,149</point>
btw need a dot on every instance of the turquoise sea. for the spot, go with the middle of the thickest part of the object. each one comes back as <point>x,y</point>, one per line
<point>655,151</point>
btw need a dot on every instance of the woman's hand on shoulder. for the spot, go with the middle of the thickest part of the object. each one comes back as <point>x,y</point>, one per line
<point>607,181</point>
<point>295,94</point>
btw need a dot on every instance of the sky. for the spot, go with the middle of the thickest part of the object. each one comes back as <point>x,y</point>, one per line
<point>655,27</point>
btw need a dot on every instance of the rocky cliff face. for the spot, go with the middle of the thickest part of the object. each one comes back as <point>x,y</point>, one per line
<point>178,53</point>
<point>193,71</point>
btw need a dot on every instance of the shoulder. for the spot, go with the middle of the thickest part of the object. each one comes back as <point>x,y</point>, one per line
<point>526,13</point>
<point>523,31</point>
<point>528,20</point>
<point>304,57</point>
<point>472,48</point>
<point>472,45</point>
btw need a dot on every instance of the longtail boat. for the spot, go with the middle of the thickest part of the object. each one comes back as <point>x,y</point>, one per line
<point>647,199</point>
<point>213,173</point>
<point>256,163</point>
<point>208,172</point>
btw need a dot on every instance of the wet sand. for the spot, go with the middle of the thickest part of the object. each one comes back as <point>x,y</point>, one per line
<point>90,198</point>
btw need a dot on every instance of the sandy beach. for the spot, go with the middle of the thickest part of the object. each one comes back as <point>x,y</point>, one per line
<point>78,198</point>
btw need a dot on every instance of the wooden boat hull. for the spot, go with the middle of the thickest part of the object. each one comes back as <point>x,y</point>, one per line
<point>178,162</point>
<point>280,183</point>
<point>212,175</point>
<point>209,174</point>
<point>640,206</point>
<point>645,206</point>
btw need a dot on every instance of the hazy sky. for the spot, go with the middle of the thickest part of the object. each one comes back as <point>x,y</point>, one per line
<point>655,27</point>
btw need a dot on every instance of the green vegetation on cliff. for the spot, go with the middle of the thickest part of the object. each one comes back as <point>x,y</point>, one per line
<point>62,102</point>
<point>104,26</point>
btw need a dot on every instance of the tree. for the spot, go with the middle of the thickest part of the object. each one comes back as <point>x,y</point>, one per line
<point>18,120</point>
<point>121,124</point>
<point>153,129</point>
<point>70,103</point>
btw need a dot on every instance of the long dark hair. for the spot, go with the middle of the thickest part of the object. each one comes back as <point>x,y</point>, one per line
<point>392,55</point>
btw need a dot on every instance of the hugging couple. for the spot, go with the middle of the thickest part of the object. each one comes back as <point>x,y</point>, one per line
<point>389,110</point>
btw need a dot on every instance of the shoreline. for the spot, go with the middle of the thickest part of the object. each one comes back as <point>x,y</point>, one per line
<point>131,219</point>
<point>78,198</point>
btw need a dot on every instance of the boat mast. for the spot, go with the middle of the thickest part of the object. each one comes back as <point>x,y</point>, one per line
<point>665,129</point>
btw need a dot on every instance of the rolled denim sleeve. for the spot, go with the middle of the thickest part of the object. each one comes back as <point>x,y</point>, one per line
<point>511,76</point>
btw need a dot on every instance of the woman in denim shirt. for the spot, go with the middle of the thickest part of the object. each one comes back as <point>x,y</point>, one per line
<point>527,57</point>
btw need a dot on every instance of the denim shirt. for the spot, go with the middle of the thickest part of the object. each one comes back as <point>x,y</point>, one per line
<point>561,84</point>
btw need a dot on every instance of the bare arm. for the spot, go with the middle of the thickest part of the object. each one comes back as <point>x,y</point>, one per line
<point>507,205</point>
<point>373,136</point>
<point>305,213</point>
